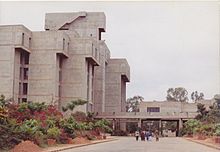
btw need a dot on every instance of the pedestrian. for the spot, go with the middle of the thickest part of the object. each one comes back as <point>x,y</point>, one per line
<point>147,135</point>
<point>150,136</point>
<point>157,135</point>
<point>142,136</point>
<point>137,134</point>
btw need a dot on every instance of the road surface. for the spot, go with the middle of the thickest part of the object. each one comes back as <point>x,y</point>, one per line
<point>128,144</point>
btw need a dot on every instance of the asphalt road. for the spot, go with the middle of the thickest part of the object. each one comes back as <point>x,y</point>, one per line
<point>128,144</point>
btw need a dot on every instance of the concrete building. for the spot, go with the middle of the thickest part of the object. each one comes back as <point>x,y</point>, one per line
<point>67,61</point>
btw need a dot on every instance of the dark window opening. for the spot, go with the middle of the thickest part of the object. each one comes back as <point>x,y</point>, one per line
<point>24,99</point>
<point>153,109</point>
<point>22,40</point>
<point>25,88</point>
<point>26,58</point>
<point>29,42</point>
<point>25,73</point>
<point>20,88</point>
<point>63,44</point>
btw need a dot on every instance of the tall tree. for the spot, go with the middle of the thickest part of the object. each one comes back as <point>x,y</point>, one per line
<point>195,96</point>
<point>132,103</point>
<point>177,94</point>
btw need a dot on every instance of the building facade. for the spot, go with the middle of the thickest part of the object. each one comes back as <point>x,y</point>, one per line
<point>67,61</point>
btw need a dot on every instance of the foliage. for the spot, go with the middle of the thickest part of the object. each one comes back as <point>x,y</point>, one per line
<point>190,126</point>
<point>195,96</point>
<point>69,125</point>
<point>30,127</point>
<point>177,94</point>
<point>202,112</point>
<point>132,103</point>
<point>10,134</point>
<point>217,130</point>
<point>70,106</point>
<point>79,116</point>
<point>103,125</point>
<point>53,133</point>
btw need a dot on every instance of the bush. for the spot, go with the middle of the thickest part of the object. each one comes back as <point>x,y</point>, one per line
<point>53,133</point>
<point>69,125</point>
<point>190,126</point>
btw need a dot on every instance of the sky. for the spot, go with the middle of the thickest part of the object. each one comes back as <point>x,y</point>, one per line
<point>167,44</point>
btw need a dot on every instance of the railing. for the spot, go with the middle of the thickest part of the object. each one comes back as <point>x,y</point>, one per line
<point>146,115</point>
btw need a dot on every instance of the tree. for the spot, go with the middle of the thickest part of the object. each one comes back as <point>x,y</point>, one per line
<point>177,94</point>
<point>195,96</point>
<point>132,103</point>
<point>73,104</point>
<point>201,109</point>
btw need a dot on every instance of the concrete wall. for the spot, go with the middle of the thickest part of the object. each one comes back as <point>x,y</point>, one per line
<point>86,24</point>
<point>100,78</point>
<point>43,73</point>
<point>68,61</point>
<point>13,40</point>
<point>117,73</point>
<point>171,106</point>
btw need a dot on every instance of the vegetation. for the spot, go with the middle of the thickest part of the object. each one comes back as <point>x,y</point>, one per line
<point>177,94</point>
<point>132,103</point>
<point>70,106</point>
<point>38,122</point>
<point>195,96</point>
<point>207,122</point>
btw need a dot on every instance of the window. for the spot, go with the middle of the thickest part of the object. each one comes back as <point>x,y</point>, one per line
<point>25,88</point>
<point>22,39</point>
<point>29,42</point>
<point>25,73</point>
<point>153,109</point>
<point>63,44</point>
<point>26,58</point>
<point>24,99</point>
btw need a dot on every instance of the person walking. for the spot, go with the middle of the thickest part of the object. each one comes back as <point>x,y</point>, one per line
<point>137,134</point>
<point>157,135</point>
<point>142,136</point>
<point>147,135</point>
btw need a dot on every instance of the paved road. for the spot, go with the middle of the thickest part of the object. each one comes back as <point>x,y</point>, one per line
<point>128,144</point>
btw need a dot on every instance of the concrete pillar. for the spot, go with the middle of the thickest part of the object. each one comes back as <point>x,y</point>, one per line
<point>113,124</point>
<point>139,123</point>
<point>160,128</point>
<point>180,126</point>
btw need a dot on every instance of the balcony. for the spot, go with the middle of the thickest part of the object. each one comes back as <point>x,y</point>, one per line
<point>17,35</point>
<point>88,48</point>
<point>120,66</point>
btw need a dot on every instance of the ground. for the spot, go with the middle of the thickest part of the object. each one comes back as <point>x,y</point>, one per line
<point>128,144</point>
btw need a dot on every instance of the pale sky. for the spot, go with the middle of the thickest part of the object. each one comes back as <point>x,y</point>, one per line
<point>167,44</point>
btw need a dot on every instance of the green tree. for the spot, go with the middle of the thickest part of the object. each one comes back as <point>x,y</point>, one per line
<point>202,112</point>
<point>177,94</point>
<point>73,104</point>
<point>132,103</point>
<point>195,96</point>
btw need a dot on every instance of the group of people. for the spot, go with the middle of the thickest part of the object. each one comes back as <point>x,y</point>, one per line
<point>146,135</point>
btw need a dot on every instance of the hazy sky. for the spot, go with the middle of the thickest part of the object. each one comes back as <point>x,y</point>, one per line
<point>167,44</point>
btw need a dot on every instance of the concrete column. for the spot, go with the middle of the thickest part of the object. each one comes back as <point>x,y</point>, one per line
<point>180,126</point>
<point>139,123</point>
<point>113,124</point>
<point>160,128</point>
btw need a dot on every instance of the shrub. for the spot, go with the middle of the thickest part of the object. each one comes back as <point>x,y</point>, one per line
<point>69,125</point>
<point>79,116</point>
<point>30,127</point>
<point>190,126</point>
<point>53,133</point>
